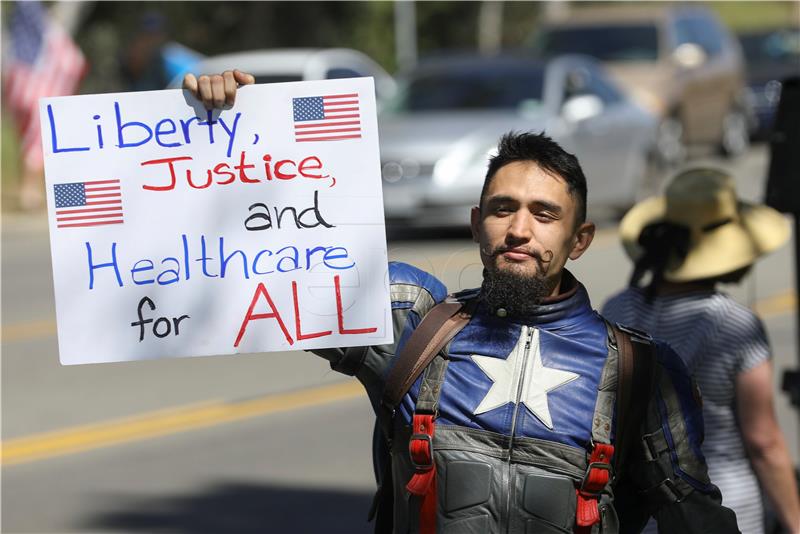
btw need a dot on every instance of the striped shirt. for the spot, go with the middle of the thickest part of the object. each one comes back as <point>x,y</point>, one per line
<point>717,338</point>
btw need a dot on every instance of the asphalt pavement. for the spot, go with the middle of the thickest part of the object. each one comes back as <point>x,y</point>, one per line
<point>270,443</point>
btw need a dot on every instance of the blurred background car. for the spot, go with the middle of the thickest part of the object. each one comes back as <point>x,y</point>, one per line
<point>678,62</point>
<point>299,64</point>
<point>772,56</point>
<point>450,112</point>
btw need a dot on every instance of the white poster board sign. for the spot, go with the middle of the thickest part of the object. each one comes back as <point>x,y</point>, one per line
<point>179,232</point>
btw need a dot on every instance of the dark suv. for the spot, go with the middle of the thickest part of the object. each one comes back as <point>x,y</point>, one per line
<point>678,62</point>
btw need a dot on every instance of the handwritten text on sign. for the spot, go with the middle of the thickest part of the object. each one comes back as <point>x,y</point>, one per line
<point>180,232</point>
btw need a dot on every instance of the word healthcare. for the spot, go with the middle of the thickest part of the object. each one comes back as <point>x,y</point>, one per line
<point>217,264</point>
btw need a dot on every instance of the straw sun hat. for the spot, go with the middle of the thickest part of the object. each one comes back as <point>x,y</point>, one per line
<point>724,233</point>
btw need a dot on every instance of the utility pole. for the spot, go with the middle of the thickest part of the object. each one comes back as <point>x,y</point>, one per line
<point>490,27</point>
<point>405,34</point>
<point>70,15</point>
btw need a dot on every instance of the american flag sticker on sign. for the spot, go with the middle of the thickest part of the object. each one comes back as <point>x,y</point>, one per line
<point>326,118</point>
<point>88,203</point>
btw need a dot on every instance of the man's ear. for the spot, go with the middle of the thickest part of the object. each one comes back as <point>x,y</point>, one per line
<point>475,223</point>
<point>581,240</point>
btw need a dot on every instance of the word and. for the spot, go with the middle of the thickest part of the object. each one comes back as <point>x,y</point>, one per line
<point>222,173</point>
<point>236,262</point>
<point>261,293</point>
<point>165,132</point>
<point>167,324</point>
<point>262,218</point>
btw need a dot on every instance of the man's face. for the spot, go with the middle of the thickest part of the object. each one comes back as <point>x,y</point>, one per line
<point>526,226</point>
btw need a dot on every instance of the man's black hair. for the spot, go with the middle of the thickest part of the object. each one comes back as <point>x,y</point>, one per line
<point>547,154</point>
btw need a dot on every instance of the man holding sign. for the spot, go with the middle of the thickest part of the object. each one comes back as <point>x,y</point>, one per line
<point>514,407</point>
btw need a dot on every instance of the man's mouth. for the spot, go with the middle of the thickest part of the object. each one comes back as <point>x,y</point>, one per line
<point>516,254</point>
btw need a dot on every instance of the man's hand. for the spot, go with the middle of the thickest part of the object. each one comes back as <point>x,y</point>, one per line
<point>217,90</point>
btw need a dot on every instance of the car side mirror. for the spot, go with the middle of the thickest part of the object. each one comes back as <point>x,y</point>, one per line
<point>582,107</point>
<point>689,55</point>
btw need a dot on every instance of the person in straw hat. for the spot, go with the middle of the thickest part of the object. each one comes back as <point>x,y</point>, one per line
<point>683,245</point>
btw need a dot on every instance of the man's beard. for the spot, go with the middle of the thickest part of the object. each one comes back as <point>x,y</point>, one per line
<point>518,293</point>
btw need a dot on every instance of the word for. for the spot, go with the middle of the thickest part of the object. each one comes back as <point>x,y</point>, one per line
<point>262,218</point>
<point>173,269</point>
<point>222,173</point>
<point>261,293</point>
<point>158,331</point>
<point>131,134</point>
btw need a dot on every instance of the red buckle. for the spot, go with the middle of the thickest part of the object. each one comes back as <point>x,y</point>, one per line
<point>420,446</point>
<point>598,474</point>
<point>420,449</point>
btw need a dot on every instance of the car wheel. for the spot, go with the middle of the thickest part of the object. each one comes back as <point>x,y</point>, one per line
<point>735,133</point>
<point>670,149</point>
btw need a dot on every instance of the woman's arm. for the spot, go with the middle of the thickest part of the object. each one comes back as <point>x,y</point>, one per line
<point>765,443</point>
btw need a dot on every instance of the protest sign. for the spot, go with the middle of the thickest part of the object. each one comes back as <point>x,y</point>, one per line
<point>180,232</point>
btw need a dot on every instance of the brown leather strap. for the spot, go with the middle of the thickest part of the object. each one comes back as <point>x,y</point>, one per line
<point>634,387</point>
<point>437,328</point>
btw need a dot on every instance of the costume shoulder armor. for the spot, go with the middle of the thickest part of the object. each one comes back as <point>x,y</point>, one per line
<point>410,285</point>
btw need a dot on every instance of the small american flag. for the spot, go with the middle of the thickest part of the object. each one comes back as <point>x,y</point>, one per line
<point>45,62</point>
<point>326,118</point>
<point>88,203</point>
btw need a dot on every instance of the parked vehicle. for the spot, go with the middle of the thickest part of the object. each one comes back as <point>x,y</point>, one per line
<point>772,56</point>
<point>449,113</point>
<point>677,61</point>
<point>299,64</point>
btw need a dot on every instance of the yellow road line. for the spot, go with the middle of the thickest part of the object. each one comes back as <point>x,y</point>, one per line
<point>28,330</point>
<point>169,421</point>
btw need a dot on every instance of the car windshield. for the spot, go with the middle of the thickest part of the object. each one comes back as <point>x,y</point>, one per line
<point>480,87</point>
<point>607,43</point>
<point>779,46</point>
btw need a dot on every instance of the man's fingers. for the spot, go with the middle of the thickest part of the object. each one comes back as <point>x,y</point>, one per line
<point>230,87</point>
<point>190,83</point>
<point>217,91</point>
<point>242,78</point>
<point>204,91</point>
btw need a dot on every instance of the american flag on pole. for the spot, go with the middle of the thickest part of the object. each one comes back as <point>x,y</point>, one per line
<point>326,118</point>
<point>43,62</point>
<point>88,203</point>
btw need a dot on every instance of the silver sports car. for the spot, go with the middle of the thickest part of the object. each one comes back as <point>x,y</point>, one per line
<point>437,134</point>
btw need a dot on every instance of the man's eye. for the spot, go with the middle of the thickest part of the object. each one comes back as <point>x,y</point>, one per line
<point>545,217</point>
<point>501,210</point>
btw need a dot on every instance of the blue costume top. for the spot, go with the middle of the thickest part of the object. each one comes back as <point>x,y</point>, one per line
<point>519,400</point>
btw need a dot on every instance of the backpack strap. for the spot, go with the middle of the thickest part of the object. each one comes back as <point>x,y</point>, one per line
<point>631,358</point>
<point>636,377</point>
<point>437,328</point>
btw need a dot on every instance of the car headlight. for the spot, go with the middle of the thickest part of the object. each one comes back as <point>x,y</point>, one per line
<point>650,101</point>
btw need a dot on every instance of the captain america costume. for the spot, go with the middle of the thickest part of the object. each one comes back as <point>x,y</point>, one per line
<point>518,403</point>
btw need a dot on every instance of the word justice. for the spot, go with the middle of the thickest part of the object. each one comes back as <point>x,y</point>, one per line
<point>310,168</point>
<point>262,298</point>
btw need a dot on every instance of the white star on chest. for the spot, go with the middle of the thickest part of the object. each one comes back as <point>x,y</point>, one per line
<point>515,377</point>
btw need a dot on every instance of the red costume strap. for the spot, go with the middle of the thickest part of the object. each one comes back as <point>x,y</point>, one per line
<point>598,474</point>
<point>423,483</point>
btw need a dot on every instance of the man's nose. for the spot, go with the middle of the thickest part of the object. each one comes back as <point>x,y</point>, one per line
<point>521,226</point>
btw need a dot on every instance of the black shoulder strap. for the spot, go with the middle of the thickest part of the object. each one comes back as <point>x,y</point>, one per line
<point>635,377</point>
<point>437,328</point>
